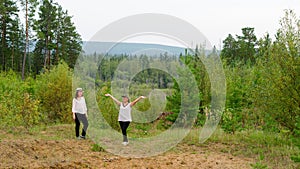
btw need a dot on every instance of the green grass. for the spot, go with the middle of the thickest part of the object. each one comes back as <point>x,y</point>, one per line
<point>50,132</point>
<point>269,149</point>
<point>140,130</point>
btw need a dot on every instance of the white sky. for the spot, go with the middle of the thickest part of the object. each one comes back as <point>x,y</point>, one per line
<point>214,18</point>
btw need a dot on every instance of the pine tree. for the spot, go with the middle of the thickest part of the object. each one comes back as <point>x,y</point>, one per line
<point>229,51</point>
<point>16,45</point>
<point>57,37</point>
<point>29,8</point>
<point>10,34</point>
<point>247,43</point>
<point>242,49</point>
<point>68,41</point>
<point>44,28</point>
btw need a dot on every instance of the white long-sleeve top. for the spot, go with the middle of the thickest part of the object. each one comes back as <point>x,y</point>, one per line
<point>79,106</point>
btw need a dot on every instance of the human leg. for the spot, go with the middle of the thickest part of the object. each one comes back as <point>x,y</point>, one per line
<point>77,125</point>
<point>124,125</point>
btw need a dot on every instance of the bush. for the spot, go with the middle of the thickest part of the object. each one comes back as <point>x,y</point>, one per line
<point>54,90</point>
<point>107,107</point>
<point>17,104</point>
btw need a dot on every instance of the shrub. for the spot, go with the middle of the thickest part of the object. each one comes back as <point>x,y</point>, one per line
<point>17,104</point>
<point>54,90</point>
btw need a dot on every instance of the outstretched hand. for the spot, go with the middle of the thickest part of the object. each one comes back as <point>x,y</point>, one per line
<point>107,95</point>
<point>143,97</point>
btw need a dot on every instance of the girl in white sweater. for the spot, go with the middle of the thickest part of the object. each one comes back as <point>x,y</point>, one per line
<point>79,110</point>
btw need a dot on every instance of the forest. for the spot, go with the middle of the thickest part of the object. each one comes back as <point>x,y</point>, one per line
<point>38,56</point>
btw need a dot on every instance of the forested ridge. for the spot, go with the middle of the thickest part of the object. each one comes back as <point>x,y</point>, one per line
<point>37,59</point>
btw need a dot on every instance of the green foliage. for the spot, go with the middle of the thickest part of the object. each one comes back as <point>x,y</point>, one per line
<point>11,36</point>
<point>54,90</point>
<point>231,122</point>
<point>265,95</point>
<point>239,113</point>
<point>296,158</point>
<point>29,111</point>
<point>241,49</point>
<point>184,102</point>
<point>57,38</point>
<point>259,164</point>
<point>174,104</point>
<point>97,148</point>
<point>107,107</point>
<point>199,72</point>
<point>52,35</point>
<point>296,141</point>
<point>18,105</point>
<point>278,94</point>
<point>153,78</point>
<point>46,99</point>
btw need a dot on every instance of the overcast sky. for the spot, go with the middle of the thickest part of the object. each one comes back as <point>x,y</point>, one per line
<point>214,18</point>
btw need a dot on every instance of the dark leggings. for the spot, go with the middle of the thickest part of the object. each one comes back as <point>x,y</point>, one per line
<point>81,118</point>
<point>124,125</point>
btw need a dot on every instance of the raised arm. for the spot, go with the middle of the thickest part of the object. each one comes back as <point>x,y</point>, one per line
<point>114,99</point>
<point>137,100</point>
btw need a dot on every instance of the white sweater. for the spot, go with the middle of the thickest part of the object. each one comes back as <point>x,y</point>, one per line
<point>79,106</point>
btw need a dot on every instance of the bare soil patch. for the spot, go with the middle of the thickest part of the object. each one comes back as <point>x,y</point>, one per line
<point>72,153</point>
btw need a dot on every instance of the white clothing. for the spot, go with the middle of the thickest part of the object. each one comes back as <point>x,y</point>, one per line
<point>79,106</point>
<point>125,113</point>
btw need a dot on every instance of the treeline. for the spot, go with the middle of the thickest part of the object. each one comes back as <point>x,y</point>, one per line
<point>263,80</point>
<point>264,88</point>
<point>152,77</point>
<point>47,36</point>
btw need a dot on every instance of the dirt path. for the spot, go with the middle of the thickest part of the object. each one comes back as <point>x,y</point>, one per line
<point>71,153</point>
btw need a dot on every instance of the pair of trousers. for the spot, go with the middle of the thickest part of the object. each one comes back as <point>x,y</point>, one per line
<point>124,125</point>
<point>81,118</point>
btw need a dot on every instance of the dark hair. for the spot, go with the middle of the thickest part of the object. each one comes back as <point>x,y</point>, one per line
<point>127,98</point>
<point>76,94</point>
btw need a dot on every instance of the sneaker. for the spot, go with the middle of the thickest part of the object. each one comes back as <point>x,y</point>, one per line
<point>82,137</point>
<point>78,138</point>
<point>125,143</point>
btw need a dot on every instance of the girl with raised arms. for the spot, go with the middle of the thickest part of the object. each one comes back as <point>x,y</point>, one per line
<point>124,117</point>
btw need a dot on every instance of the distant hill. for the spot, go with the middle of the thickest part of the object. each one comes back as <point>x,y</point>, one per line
<point>130,48</point>
<point>90,48</point>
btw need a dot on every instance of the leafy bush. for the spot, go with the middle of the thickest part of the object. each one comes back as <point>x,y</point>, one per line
<point>108,107</point>
<point>278,95</point>
<point>17,104</point>
<point>54,90</point>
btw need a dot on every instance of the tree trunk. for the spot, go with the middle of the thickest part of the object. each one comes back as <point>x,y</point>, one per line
<point>26,42</point>
<point>12,54</point>
<point>3,43</point>
<point>57,49</point>
<point>46,52</point>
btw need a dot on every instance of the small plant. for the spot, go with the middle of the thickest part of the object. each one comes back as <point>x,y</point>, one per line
<point>97,148</point>
<point>296,142</point>
<point>295,158</point>
<point>259,164</point>
<point>231,121</point>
